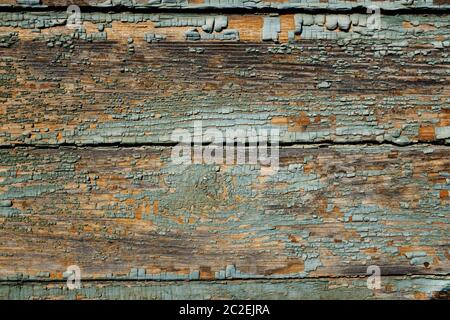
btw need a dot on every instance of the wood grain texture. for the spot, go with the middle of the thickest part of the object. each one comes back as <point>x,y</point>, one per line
<point>86,177</point>
<point>60,89</point>
<point>125,213</point>
<point>325,288</point>
<point>236,4</point>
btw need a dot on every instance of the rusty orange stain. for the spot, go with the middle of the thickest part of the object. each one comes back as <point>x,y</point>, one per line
<point>155,207</point>
<point>280,120</point>
<point>426,133</point>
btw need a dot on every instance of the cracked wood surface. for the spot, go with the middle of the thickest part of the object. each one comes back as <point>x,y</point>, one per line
<point>60,89</point>
<point>130,212</point>
<point>236,4</point>
<point>85,173</point>
<point>325,288</point>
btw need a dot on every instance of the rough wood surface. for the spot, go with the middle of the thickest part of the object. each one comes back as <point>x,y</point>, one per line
<point>325,288</point>
<point>58,89</point>
<point>86,178</point>
<point>237,4</point>
<point>130,212</point>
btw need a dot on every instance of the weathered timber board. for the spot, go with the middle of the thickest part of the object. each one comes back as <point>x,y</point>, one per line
<point>343,5</point>
<point>57,89</point>
<point>124,212</point>
<point>324,288</point>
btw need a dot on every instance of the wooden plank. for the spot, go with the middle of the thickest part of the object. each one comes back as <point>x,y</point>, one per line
<point>59,89</point>
<point>236,4</point>
<point>123,213</point>
<point>327,288</point>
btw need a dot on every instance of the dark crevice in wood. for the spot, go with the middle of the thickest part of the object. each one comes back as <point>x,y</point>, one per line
<point>320,144</point>
<point>256,279</point>
<point>236,10</point>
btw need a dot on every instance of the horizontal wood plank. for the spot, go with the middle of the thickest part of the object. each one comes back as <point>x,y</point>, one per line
<point>235,4</point>
<point>325,288</point>
<point>126,213</point>
<point>59,89</point>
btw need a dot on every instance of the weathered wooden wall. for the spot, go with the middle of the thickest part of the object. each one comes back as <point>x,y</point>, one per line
<point>86,117</point>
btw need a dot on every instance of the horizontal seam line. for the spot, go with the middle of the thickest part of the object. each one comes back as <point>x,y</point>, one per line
<point>229,10</point>
<point>362,276</point>
<point>320,144</point>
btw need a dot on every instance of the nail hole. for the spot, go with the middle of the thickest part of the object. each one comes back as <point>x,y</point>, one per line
<point>426,264</point>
